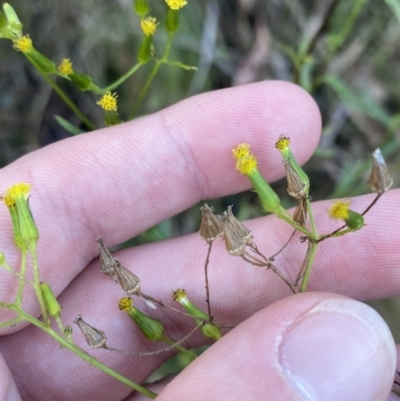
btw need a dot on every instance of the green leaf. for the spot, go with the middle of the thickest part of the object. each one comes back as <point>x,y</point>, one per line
<point>359,102</point>
<point>395,6</point>
<point>72,129</point>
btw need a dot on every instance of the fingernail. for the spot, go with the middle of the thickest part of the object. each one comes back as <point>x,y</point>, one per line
<point>340,350</point>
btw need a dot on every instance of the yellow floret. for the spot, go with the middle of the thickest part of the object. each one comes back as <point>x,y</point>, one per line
<point>149,26</point>
<point>339,210</point>
<point>66,67</point>
<point>282,143</point>
<point>125,304</point>
<point>176,4</point>
<point>108,102</point>
<point>23,44</point>
<point>15,191</point>
<point>242,150</point>
<point>247,164</point>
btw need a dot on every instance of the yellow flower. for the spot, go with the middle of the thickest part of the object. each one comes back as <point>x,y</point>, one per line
<point>242,150</point>
<point>25,232</point>
<point>247,164</point>
<point>23,44</point>
<point>16,191</point>
<point>125,304</point>
<point>339,210</point>
<point>66,67</point>
<point>282,143</point>
<point>149,26</point>
<point>108,102</point>
<point>176,4</point>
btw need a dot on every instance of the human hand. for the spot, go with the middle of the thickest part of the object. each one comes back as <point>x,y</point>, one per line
<point>119,181</point>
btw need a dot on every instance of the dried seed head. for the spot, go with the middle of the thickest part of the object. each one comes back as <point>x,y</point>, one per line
<point>128,281</point>
<point>211,226</point>
<point>107,262</point>
<point>238,226</point>
<point>234,242</point>
<point>95,338</point>
<point>300,214</point>
<point>380,179</point>
<point>296,187</point>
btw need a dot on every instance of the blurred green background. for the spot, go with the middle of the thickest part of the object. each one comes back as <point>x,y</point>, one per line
<point>345,53</point>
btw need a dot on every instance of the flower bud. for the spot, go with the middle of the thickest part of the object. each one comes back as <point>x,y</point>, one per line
<point>82,81</point>
<point>298,181</point>
<point>41,62</point>
<point>152,329</point>
<point>340,210</point>
<point>26,234</point>
<point>172,21</point>
<point>50,301</point>
<point>15,25</point>
<point>208,329</point>
<point>144,52</point>
<point>141,7</point>
<point>246,163</point>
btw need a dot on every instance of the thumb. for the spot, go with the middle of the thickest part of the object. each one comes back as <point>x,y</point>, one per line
<point>8,389</point>
<point>313,346</point>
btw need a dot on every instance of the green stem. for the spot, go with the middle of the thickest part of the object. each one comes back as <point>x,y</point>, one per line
<point>79,351</point>
<point>312,220</point>
<point>36,286</point>
<point>285,216</point>
<point>63,96</point>
<point>18,300</point>
<point>122,79</point>
<point>11,322</point>
<point>150,79</point>
<point>307,271</point>
<point>179,347</point>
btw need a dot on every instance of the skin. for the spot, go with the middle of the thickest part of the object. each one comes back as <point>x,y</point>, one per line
<point>119,181</point>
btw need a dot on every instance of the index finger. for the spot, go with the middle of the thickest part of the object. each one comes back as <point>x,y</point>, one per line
<point>122,180</point>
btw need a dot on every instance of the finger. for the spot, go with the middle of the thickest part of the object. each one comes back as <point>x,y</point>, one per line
<point>237,289</point>
<point>119,181</point>
<point>8,389</point>
<point>313,346</point>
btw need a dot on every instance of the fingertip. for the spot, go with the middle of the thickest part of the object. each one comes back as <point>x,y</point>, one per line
<point>311,346</point>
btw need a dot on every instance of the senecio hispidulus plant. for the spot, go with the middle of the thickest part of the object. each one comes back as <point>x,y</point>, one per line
<point>11,29</point>
<point>238,239</point>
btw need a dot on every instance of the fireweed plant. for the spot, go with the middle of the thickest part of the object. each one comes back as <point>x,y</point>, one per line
<point>238,238</point>
<point>11,29</point>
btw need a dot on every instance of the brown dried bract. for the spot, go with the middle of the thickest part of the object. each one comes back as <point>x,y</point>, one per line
<point>380,180</point>
<point>211,226</point>
<point>238,226</point>
<point>300,214</point>
<point>95,338</point>
<point>107,262</point>
<point>296,187</point>
<point>128,281</point>
<point>234,242</point>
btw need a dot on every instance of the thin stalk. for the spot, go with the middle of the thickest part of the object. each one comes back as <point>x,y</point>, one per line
<point>79,351</point>
<point>206,278</point>
<point>150,79</point>
<point>122,79</point>
<point>307,270</point>
<point>21,283</point>
<point>338,232</point>
<point>179,347</point>
<point>288,218</point>
<point>36,286</point>
<point>11,322</point>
